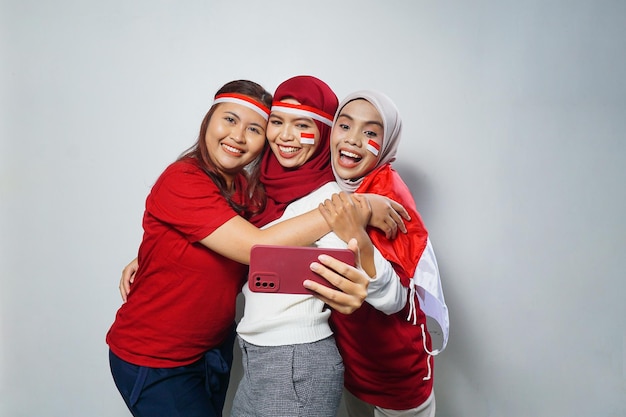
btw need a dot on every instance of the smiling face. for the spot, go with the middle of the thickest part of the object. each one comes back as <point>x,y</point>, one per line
<point>357,132</point>
<point>235,136</point>
<point>293,138</point>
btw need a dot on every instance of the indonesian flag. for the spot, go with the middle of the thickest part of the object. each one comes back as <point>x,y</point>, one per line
<point>405,251</point>
<point>373,147</point>
<point>307,138</point>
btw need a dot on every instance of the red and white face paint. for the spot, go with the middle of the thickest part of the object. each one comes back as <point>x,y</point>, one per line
<point>307,138</point>
<point>373,147</point>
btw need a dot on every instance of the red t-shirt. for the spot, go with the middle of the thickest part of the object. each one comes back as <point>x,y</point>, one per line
<point>384,356</point>
<point>182,302</point>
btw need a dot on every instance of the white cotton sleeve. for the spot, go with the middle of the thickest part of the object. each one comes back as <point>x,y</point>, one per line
<point>385,292</point>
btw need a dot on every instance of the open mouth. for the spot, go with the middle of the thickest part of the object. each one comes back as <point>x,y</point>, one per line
<point>349,158</point>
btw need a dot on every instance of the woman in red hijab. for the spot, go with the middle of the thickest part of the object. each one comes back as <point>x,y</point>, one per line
<point>292,366</point>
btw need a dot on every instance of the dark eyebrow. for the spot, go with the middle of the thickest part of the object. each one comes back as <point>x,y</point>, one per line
<point>347,116</point>
<point>233,114</point>
<point>260,126</point>
<point>369,122</point>
<point>374,122</point>
<point>239,118</point>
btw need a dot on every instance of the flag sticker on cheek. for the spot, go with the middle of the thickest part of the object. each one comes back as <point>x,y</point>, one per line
<point>307,138</point>
<point>373,147</point>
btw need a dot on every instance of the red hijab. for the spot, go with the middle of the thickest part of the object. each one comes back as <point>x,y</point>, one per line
<point>285,185</point>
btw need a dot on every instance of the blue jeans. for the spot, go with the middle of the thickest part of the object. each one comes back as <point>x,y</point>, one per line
<point>195,390</point>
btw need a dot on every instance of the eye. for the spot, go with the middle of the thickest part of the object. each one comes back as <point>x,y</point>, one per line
<point>229,119</point>
<point>370,134</point>
<point>303,126</point>
<point>343,126</point>
<point>276,122</point>
<point>255,129</point>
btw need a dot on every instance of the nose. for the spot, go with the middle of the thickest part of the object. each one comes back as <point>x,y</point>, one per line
<point>286,133</point>
<point>237,133</point>
<point>352,139</point>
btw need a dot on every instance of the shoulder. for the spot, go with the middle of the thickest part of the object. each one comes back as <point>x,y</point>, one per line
<point>181,167</point>
<point>311,201</point>
<point>317,196</point>
<point>183,172</point>
<point>184,179</point>
<point>326,190</point>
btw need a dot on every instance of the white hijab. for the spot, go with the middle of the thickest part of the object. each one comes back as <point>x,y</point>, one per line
<point>392,126</point>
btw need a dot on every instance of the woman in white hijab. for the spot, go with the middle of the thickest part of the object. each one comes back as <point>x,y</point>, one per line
<point>388,359</point>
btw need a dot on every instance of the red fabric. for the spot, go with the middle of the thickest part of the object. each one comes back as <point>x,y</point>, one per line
<point>284,185</point>
<point>182,302</point>
<point>405,250</point>
<point>384,357</point>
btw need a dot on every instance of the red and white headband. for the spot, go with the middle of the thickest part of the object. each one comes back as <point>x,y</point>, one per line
<point>302,110</point>
<point>244,101</point>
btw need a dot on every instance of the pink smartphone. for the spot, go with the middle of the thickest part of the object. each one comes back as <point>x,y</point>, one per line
<point>282,269</point>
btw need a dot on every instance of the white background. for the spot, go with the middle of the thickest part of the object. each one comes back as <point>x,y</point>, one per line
<point>513,145</point>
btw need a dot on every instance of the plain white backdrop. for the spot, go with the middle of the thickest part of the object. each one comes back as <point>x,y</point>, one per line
<point>514,147</point>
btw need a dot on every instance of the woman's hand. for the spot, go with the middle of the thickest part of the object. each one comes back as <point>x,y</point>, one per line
<point>386,214</point>
<point>347,217</point>
<point>351,282</point>
<point>128,276</point>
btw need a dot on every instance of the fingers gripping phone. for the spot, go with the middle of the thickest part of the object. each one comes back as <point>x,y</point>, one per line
<point>282,269</point>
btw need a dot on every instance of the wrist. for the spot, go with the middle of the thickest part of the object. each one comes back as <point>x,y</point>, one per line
<point>366,251</point>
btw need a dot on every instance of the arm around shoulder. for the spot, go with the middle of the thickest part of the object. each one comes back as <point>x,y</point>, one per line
<point>235,238</point>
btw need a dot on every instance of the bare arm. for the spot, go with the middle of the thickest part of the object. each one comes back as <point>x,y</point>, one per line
<point>349,214</point>
<point>352,282</point>
<point>235,238</point>
<point>387,214</point>
<point>348,219</point>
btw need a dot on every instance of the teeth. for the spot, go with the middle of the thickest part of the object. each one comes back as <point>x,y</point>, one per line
<point>231,149</point>
<point>288,149</point>
<point>350,155</point>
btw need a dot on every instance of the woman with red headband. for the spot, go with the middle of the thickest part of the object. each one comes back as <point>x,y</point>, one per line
<point>292,366</point>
